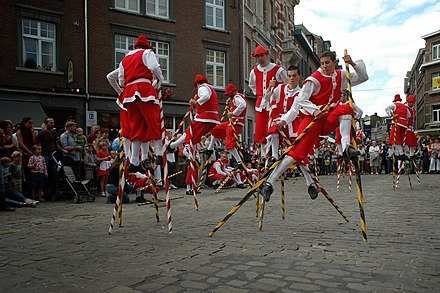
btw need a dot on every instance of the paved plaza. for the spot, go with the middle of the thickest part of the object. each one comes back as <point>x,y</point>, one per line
<point>65,247</point>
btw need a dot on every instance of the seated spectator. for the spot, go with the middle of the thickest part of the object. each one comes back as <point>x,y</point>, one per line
<point>71,150</point>
<point>113,184</point>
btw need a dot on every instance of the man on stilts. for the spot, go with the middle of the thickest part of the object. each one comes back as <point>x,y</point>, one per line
<point>236,115</point>
<point>401,115</point>
<point>411,139</point>
<point>259,79</point>
<point>137,71</point>
<point>206,102</point>
<point>323,87</point>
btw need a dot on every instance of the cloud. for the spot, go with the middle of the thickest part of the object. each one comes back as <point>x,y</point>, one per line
<point>387,35</point>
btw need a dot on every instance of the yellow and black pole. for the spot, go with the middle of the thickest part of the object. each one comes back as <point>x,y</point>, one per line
<point>357,166</point>
<point>282,198</point>
<point>266,175</point>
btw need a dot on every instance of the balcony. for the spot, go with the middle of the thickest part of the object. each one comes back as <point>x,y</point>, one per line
<point>291,53</point>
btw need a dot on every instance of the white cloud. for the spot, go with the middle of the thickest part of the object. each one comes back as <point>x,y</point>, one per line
<point>385,34</point>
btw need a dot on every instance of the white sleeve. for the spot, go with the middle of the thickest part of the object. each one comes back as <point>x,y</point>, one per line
<point>359,75</point>
<point>112,78</point>
<point>204,93</point>
<point>241,105</point>
<point>218,169</point>
<point>150,61</point>
<point>276,94</point>
<point>357,112</point>
<point>252,82</point>
<point>390,109</point>
<point>282,76</point>
<point>303,99</point>
<point>121,74</point>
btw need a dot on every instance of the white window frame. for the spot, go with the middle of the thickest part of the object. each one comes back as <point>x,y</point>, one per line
<point>435,50</point>
<point>215,5</point>
<point>40,40</point>
<point>123,44</point>
<point>156,4</point>
<point>162,52</point>
<point>435,113</point>
<point>126,6</point>
<point>216,64</point>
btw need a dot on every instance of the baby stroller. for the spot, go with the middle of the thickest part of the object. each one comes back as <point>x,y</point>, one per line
<point>69,185</point>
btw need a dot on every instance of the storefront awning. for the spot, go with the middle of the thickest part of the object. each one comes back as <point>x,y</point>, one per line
<point>17,110</point>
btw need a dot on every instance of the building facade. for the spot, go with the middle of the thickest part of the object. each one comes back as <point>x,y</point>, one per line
<point>423,81</point>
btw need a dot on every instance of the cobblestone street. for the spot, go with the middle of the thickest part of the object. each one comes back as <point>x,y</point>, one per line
<point>63,247</point>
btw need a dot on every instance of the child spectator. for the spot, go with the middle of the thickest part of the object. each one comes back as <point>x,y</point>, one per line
<point>17,172</point>
<point>81,139</point>
<point>38,168</point>
<point>104,161</point>
<point>89,165</point>
<point>6,162</point>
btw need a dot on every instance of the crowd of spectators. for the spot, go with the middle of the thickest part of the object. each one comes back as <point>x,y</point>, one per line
<point>31,159</point>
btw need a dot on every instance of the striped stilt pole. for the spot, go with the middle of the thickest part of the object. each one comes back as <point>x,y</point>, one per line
<point>350,179</point>
<point>338,182</point>
<point>357,165</point>
<point>191,159</point>
<point>394,151</point>
<point>117,211</point>
<point>265,176</point>
<point>417,170</point>
<point>283,209</point>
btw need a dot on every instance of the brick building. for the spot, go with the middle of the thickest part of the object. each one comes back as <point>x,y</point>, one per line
<point>423,81</point>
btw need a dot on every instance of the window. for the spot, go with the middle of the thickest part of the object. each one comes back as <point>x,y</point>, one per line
<point>162,51</point>
<point>39,45</point>
<point>435,81</point>
<point>215,14</point>
<point>123,45</point>
<point>435,50</point>
<point>248,51</point>
<point>435,113</point>
<point>128,5</point>
<point>215,68</point>
<point>259,8</point>
<point>157,8</point>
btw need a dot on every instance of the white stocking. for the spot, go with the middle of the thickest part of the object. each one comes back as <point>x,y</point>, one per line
<point>135,148</point>
<point>306,174</point>
<point>280,169</point>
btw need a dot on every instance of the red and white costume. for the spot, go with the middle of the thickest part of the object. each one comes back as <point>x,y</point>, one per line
<point>218,172</point>
<point>224,129</point>
<point>139,180</point>
<point>318,90</point>
<point>207,113</point>
<point>259,79</point>
<point>400,124</point>
<point>282,100</point>
<point>344,109</point>
<point>411,139</point>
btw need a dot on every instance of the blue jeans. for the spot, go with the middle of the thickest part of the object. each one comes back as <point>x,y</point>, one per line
<point>13,198</point>
<point>112,191</point>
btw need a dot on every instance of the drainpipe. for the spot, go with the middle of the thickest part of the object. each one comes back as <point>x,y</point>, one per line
<point>86,46</point>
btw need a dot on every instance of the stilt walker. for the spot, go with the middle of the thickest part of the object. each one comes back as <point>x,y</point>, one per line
<point>191,160</point>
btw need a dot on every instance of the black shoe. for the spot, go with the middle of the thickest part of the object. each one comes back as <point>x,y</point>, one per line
<point>158,160</point>
<point>351,153</point>
<point>313,190</point>
<point>189,192</point>
<point>184,163</point>
<point>133,168</point>
<point>266,191</point>
<point>140,199</point>
<point>242,186</point>
<point>270,162</point>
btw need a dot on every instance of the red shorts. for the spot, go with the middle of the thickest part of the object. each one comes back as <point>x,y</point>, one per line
<point>400,135</point>
<point>321,127</point>
<point>261,120</point>
<point>225,130</point>
<point>199,129</point>
<point>144,120</point>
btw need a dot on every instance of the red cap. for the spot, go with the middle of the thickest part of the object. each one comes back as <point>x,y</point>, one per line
<point>142,41</point>
<point>199,78</point>
<point>230,88</point>
<point>260,50</point>
<point>397,98</point>
<point>411,99</point>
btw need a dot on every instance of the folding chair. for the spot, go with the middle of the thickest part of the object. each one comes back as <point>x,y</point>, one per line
<point>79,188</point>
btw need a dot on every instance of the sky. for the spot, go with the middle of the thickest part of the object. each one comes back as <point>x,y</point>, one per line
<point>385,34</point>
